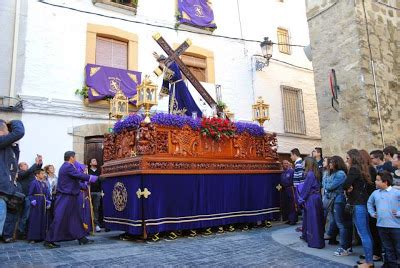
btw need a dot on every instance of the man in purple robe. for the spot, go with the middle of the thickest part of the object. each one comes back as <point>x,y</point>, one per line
<point>67,224</point>
<point>289,198</point>
<point>85,208</point>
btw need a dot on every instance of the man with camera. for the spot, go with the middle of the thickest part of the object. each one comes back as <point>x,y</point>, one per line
<point>9,134</point>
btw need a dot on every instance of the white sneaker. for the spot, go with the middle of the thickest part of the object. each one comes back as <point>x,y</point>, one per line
<point>98,229</point>
<point>342,252</point>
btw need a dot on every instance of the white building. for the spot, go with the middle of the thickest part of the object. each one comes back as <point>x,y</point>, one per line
<point>47,44</point>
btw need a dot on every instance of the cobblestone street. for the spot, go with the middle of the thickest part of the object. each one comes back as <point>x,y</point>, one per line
<point>251,248</point>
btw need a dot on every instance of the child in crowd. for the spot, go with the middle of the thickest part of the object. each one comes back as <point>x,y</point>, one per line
<point>40,203</point>
<point>384,204</point>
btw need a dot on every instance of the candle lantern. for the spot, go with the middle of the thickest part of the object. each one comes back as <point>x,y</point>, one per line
<point>119,105</point>
<point>147,96</point>
<point>260,111</point>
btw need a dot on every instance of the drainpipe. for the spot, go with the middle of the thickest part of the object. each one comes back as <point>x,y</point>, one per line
<point>15,49</point>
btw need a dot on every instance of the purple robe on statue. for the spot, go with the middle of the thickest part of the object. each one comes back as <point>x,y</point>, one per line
<point>38,214</point>
<point>85,209</point>
<point>289,195</point>
<point>313,218</point>
<point>67,223</point>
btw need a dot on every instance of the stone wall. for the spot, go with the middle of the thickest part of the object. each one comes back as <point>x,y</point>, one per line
<point>339,41</point>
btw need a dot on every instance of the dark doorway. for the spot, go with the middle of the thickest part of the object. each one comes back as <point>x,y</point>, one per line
<point>94,149</point>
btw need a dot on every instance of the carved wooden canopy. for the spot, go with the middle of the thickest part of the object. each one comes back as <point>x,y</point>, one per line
<point>154,149</point>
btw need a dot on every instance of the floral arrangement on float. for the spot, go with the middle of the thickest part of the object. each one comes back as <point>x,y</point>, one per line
<point>215,128</point>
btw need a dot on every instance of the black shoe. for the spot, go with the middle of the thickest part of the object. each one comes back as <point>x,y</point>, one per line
<point>333,242</point>
<point>85,241</point>
<point>50,245</point>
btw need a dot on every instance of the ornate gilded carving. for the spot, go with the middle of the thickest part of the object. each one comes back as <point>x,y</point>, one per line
<point>170,165</point>
<point>108,147</point>
<point>146,143</point>
<point>124,144</point>
<point>259,147</point>
<point>271,146</point>
<point>185,141</point>
<point>162,142</point>
<point>120,167</point>
<point>244,145</point>
<point>159,148</point>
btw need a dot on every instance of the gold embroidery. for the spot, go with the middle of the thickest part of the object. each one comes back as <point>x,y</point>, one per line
<point>175,109</point>
<point>133,77</point>
<point>94,70</point>
<point>119,196</point>
<point>198,10</point>
<point>185,16</point>
<point>94,92</point>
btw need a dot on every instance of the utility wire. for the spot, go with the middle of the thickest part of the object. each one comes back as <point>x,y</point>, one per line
<point>160,26</point>
<point>285,62</point>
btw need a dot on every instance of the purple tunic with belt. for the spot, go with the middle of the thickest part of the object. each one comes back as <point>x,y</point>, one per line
<point>38,214</point>
<point>289,195</point>
<point>85,209</point>
<point>310,198</point>
<point>67,223</point>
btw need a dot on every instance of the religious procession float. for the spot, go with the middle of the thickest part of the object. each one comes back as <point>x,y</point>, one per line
<point>182,170</point>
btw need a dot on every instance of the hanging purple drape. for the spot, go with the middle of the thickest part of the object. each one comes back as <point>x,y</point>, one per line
<point>104,81</point>
<point>197,13</point>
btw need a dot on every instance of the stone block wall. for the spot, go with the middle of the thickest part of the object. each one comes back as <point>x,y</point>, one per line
<point>339,41</point>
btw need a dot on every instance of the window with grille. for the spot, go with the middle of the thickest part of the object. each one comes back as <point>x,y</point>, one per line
<point>283,41</point>
<point>111,52</point>
<point>131,3</point>
<point>197,65</point>
<point>293,110</point>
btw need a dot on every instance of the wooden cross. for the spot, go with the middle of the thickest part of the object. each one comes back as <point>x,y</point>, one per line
<point>173,56</point>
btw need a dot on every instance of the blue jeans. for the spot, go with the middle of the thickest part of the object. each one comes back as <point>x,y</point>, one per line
<point>344,225</point>
<point>9,225</point>
<point>332,227</point>
<point>361,221</point>
<point>3,214</point>
<point>390,238</point>
<point>24,216</point>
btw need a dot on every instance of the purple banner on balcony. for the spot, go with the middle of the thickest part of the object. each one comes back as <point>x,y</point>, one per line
<point>197,13</point>
<point>103,82</point>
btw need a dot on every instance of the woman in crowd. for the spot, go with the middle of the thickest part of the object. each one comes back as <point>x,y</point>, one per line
<point>334,187</point>
<point>51,179</point>
<point>372,221</point>
<point>310,199</point>
<point>356,186</point>
<point>332,229</point>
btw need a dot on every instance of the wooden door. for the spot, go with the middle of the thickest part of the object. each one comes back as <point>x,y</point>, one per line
<point>94,149</point>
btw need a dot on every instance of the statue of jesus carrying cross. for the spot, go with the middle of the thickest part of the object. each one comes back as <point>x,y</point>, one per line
<point>180,100</point>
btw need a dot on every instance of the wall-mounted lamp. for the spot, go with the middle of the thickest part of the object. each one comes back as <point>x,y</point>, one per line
<point>266,50</point>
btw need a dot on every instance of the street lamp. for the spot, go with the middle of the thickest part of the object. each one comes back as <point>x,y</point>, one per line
<point>147,96</point>
<point>267,48</point>
<point>260,111</point>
